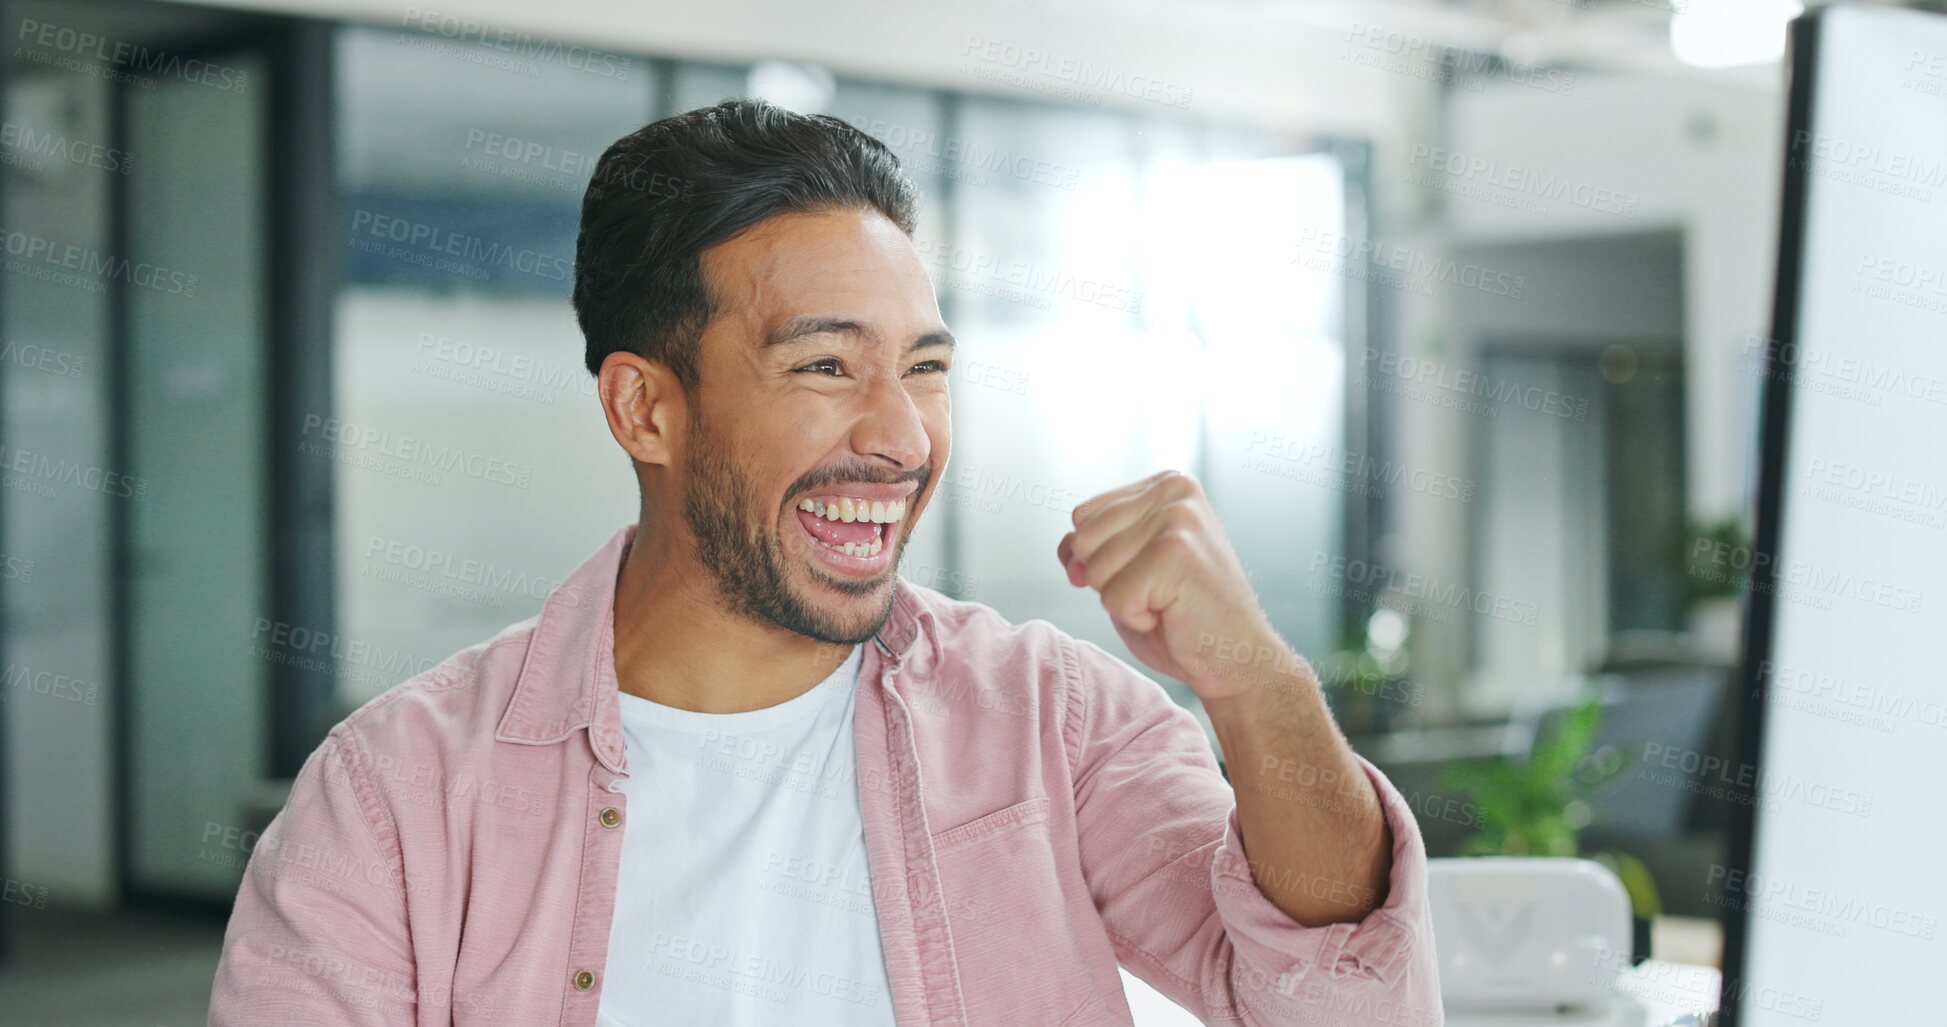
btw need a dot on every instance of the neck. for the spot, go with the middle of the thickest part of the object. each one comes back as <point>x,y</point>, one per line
<point>676,643</point>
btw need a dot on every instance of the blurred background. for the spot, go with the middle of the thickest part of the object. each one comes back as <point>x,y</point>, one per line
<point>1456,308</point>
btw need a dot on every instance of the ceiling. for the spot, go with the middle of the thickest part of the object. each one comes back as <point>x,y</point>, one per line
<point>1276,63</point>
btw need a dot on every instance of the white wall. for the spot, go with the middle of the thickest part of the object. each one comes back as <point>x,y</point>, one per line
<point>1702,157</point>
<point>1685,154</point>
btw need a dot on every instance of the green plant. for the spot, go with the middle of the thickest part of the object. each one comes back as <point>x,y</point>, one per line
<point>1707,572</point>
<point>1539,808</point>
<point>1352,679</point>
<point>1364,679</point>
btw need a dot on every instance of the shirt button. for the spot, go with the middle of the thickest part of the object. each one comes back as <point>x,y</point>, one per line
<point>610,816</point>
<point>584,980</point>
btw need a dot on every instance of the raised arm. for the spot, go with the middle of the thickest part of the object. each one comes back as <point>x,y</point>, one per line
<point>1298,896</point>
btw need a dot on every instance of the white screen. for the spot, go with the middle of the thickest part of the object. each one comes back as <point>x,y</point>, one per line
<point>1849,878</point>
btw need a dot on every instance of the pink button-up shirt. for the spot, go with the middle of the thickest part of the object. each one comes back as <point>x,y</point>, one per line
<point>1036,812</point>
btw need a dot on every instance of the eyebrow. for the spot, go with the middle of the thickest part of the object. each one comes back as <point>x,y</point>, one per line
<point>824,324</point>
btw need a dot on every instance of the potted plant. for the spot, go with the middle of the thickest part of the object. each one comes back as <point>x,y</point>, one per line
<point>1716,563</point>
<point>1539,808</point>
<point>1365,680</point>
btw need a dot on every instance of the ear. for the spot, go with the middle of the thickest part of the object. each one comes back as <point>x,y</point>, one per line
<point>644,404</point>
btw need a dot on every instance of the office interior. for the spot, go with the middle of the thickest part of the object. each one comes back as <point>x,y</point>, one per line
<point>1457,309</point>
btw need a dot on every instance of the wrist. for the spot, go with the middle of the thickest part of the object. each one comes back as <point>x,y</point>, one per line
<point>1249,675</point>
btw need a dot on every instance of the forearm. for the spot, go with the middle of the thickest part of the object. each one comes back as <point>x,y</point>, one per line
<point>1317,839</point>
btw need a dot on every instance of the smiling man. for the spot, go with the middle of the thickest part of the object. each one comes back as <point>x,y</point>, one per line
<point>737,771</point>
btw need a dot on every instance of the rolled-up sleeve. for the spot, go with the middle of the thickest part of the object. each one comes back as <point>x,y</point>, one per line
<point>318,934</point>
<point>1164,855</point>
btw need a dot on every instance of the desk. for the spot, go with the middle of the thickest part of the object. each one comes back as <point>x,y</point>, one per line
<point>1651,995</point>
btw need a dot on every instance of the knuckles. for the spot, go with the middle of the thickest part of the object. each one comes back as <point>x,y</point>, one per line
<point>1177,541</point>
<point>1177,485</point>
<point>1180,515</point>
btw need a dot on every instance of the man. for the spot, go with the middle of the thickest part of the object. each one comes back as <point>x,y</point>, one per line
<point>738,772</point>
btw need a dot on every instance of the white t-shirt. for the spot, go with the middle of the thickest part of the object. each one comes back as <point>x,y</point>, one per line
<point>743,896</point>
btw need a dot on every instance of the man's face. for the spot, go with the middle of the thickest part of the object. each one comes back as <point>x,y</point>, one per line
<point>824,380</point>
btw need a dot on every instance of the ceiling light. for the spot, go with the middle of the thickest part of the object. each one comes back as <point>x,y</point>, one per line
<point>1727,33</point>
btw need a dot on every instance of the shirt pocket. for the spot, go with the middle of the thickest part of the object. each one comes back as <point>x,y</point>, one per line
<point>1014,934</point>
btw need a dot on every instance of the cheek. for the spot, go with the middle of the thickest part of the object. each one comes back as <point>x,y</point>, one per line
<point>799,427</point>
<point>767,463</point>
<point>941,440</point>
<point>937,416</point>
<point>941,435</point>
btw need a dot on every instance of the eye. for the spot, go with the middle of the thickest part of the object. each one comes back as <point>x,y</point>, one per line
<point>931,366</point>
<point>830,362</point>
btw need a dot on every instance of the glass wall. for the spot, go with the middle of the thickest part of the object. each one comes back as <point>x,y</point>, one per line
<point>474,467</point>
<point>135,334</point>
<point>59,499</point>
<point>197,346</point>
<point>1121,281</point>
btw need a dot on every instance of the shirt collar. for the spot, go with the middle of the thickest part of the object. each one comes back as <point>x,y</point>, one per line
<point>568,681</point>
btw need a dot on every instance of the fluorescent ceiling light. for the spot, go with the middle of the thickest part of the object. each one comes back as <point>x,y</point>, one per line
<point>1727,33</point>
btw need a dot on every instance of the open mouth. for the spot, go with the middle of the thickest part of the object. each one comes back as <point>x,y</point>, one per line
<point>853,533</point>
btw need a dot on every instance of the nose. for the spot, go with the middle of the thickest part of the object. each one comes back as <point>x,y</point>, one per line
<point>891,426</point>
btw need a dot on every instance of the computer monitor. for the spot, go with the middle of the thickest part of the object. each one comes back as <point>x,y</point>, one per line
<point>1836,880</point>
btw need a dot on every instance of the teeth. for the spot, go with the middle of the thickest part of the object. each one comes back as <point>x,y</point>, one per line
<point>877,512</point>
<point>851,511</point>
<point>859,549</point>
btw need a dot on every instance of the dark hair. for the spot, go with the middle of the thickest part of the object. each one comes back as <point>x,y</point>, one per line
<point>663,194</point>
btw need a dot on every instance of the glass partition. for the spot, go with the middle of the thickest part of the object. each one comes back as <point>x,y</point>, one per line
<point>475,470</point>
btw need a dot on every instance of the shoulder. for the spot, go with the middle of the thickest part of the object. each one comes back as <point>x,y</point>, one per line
<point>443,711</point>
<point>1081,685</point>
<point>970,632</point>
<point>971,627</point>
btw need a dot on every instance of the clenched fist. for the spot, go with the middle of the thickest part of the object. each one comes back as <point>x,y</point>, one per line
<point>1169,578</point>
